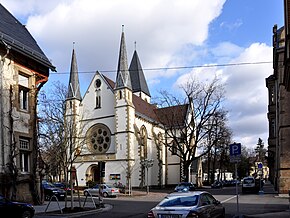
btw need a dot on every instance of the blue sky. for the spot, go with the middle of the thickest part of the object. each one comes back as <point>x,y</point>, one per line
<point>169,33</point>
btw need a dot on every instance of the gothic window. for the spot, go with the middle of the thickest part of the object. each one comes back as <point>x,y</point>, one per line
<point>98,138</point>
<point>98,99</point>
<point>98,93</point>
<point>24,153</point>
<point>271,95</point>
<point>120,94</point>
<point>143,136</point>
<point>174,148</point>
<point>272,128</point>
<point>160,139</point>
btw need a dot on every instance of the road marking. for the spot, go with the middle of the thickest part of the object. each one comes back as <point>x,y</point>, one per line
<point>229,199</point>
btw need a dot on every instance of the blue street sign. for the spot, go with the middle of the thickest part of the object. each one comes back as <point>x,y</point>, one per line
<point>235,149</point>
<point>235,152</point>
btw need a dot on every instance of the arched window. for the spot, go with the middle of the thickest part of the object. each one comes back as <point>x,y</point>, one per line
<point>143,136</point>
<point>98,98</point>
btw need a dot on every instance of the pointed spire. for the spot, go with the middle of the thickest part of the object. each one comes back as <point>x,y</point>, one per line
<point>123,77</point>
<point>74,85</point>
<point>138,80</point>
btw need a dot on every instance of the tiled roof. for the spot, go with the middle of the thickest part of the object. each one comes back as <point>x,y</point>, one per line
<point>173,116</point>
<point>14,34</point>
<point>169,116</point>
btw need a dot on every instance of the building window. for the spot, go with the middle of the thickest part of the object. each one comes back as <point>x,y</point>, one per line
<point>23,83</point>
<point>271,95</point>
<point>98,99</point>
<point>174,148</point>
<point>272,128</point>
<point>24,152</point>
<point>23,98</point>
<point>143,137</point>
<point>99,138</point>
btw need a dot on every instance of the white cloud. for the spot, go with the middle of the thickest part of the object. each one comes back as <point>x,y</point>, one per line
<point>168,33</point>
<point>160,28</point>
<point>246,92</point>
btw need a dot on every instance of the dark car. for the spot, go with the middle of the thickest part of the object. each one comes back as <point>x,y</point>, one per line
<point>15,209</point>
<point>217,184</point>
<point>188,204</point>
<point>184,187</point>
<point>51,190</point>
<point>64,186</point>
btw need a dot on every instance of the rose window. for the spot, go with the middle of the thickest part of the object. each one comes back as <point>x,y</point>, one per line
<point>99,138</point>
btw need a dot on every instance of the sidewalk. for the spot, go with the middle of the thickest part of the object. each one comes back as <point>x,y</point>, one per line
<point>269,189</point>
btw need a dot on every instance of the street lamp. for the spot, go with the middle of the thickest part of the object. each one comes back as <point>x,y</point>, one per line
<point>147,163</point>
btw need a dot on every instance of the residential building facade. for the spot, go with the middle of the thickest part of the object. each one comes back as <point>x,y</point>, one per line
<point>24,69</point>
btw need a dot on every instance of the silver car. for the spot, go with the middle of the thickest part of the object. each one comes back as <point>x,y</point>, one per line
<point>188,204</point>
<point>106,190</point>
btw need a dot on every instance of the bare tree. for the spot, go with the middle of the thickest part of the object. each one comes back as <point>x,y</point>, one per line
<point>59,136</point>
<point>185,135</point>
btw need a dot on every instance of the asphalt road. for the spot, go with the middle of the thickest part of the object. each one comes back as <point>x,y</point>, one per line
<point>139,205</point>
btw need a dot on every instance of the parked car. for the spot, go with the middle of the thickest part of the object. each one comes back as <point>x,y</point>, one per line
<point>106,190</point>
<point>188,204</point>
<point>51,190</point>
<point>64,186</point>
<point>184,187</point>
<point>217,184</point>
<point>15,209</point>
<point>249,185</point>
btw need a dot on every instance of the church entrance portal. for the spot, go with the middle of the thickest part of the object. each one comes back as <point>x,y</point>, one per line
<point>98,172</point>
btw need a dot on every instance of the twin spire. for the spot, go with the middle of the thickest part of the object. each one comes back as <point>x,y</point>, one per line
<point>123,76</point>
<point>74,91</point>
<point>131,78</point>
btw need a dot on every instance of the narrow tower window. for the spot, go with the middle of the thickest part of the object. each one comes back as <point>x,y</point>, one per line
<point>98,99</point>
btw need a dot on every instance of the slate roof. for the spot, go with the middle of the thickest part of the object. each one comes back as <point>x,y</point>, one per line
<point>14,34</point>
<point>74,84</point>
<point>138,80</point>
<point>123,76</point>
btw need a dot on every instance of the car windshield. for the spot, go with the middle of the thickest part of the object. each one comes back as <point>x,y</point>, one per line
<point>49,185</point>
<point>181,187</point>
<point>184,201</point>
<point>248,180</point>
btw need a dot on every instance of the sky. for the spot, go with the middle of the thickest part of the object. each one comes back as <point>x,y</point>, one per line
<point>191,34</point>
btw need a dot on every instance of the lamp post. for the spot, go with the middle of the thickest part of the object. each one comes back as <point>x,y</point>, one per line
<point>147,163</point>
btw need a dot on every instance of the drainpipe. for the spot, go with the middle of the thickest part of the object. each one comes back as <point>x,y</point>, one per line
<point>2,106</point>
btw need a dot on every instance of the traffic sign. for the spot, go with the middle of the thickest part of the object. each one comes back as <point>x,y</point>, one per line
<point>235,152</point>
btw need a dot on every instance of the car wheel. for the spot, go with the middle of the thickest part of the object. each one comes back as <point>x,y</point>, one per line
<point>26,214</point>
<point>105,194</point>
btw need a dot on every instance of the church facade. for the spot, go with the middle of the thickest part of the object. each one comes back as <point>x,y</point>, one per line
<point>122,138</point>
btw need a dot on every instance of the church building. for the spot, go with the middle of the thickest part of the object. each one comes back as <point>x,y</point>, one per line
<point>122,136</point>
